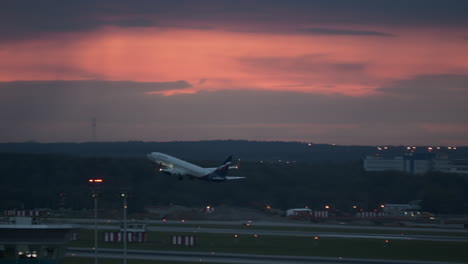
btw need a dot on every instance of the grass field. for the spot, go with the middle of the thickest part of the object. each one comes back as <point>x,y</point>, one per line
<point>298,246</point>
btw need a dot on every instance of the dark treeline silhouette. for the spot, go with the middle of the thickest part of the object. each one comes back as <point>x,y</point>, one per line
<point>60,180</point>
<point>218,149</point>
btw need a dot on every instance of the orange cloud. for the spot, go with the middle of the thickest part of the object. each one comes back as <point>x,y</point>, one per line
<point>345,64</point>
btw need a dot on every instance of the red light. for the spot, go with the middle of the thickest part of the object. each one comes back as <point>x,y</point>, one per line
<point>255,235</point>
<point>182,220</point>
<point>386,241</point>
<point>316,238</point>
<point>235,235</point>
<point>164,220</point>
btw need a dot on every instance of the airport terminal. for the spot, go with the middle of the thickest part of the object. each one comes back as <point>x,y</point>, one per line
<point>416,163</point>
<point>23,239</point>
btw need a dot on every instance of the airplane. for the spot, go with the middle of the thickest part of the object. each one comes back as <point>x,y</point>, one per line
<point>174,166</point>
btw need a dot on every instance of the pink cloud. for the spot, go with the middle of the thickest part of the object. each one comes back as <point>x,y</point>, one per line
<point>351,65</point>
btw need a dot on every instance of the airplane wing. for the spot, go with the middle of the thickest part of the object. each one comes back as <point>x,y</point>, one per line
<point>234,177</point>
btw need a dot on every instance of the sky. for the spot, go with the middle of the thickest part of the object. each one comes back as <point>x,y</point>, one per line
<point>364,72</point>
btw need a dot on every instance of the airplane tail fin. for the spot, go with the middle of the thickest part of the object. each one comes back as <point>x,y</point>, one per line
<point>223,168</point>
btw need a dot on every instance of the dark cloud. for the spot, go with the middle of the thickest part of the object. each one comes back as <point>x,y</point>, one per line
<point>334,31</point>
<point>30,18</point>
<point>399,114</point>
<point>41,109</point>
<point>431,87</point>
<point>138,22</point>
<point>124,87</point>
<point>54,95</point>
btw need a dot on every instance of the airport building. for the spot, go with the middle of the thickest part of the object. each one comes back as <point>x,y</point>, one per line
<point>24,240</point>
<point>411,209</point>
<point>416,163</point>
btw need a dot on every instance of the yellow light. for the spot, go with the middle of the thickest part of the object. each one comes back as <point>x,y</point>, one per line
<point>354,206</point>
<point>327,207</point>
<point>382,205</point>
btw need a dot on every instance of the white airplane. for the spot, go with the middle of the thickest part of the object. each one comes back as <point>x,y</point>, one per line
<point>174,166</point>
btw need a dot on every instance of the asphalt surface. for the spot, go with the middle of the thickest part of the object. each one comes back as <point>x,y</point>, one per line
<point>306,233</point>
<point>241,231</point>
<point>430,228</point>
<point>226,257</point>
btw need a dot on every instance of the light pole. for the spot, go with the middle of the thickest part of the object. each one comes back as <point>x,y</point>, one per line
<point>95,196</point>
<point>124,196</point>
<point>94,185</point>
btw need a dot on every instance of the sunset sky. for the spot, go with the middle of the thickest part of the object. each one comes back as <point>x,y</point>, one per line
<point>340,72</point>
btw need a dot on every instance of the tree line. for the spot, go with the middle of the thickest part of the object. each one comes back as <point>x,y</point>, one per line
<point>61,181</point>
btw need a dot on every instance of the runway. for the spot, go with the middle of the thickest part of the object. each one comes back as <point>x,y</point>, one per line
<point>240,231</point>
<point>211,257</point>
<point>205,223</point>
<point>307,233</point>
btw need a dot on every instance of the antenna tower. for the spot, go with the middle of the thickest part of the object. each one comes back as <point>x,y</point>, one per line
<point>93,127</point>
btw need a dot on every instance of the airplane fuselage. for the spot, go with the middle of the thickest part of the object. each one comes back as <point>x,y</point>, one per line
<point>174,166</point>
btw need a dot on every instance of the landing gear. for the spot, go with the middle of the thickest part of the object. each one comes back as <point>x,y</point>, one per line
<point>157,167</point>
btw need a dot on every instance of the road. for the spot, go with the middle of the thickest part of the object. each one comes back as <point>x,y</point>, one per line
<point>226,257</point>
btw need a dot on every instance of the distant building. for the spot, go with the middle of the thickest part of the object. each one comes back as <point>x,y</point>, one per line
<point>303,213</point>
<point>451,166</point>
<point>416,163</point>
<point>377,163</point>
<point>413,210</point>
<point>23,240</point>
